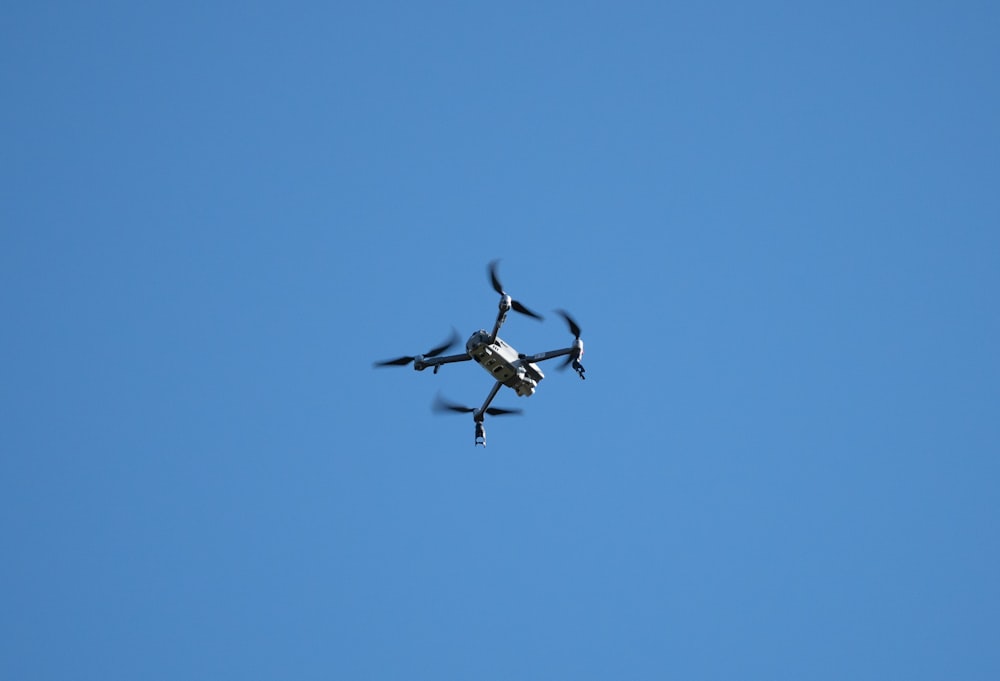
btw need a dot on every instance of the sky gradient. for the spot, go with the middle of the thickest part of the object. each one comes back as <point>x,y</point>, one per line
<point>777,224</point>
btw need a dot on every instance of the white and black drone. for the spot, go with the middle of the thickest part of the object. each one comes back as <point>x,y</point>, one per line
<point>506,365</point>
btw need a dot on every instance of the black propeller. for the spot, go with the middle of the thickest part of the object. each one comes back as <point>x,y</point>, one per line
<point>498,287</point>
<point>434,352</point>
<point>574,329</point>
<point>442,405</point>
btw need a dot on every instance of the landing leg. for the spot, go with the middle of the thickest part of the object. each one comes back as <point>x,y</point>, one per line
<point>480,432</point>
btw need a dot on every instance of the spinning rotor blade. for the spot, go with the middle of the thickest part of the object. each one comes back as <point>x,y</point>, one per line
<point>574,329</point>
<point>500,411</point>
<point>444,347</point>
<point>518,307</point>
<point>399,362</point>
<point>443,405</point>
<point>403,361</point>
<point>498,287</point>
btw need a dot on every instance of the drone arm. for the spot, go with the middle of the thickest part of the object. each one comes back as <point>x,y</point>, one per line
<point>480,414</point>
<point>505,304</point>
<point>550,354</point>
<point>576,350</point>
<point>489,398</point>
<point>435,362</point>
<point>575,353</point>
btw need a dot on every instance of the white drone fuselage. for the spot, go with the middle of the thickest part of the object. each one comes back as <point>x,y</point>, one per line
<point>504,363</point>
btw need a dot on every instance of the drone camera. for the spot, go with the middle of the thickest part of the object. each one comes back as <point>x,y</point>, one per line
<point>525,386</point>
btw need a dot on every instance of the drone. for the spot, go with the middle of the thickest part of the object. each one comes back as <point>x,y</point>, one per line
<point>501,361</point>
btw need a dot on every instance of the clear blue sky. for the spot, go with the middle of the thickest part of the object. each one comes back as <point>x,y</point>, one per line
<point>778,225</point>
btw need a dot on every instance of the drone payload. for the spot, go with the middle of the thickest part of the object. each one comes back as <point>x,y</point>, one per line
<point>507,366</point>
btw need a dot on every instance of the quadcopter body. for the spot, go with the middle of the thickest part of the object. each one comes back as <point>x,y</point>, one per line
<point>506,366</point>
<point>503,363</point>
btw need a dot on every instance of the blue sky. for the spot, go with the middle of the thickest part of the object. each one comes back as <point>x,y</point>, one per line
<point>777,226</point>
